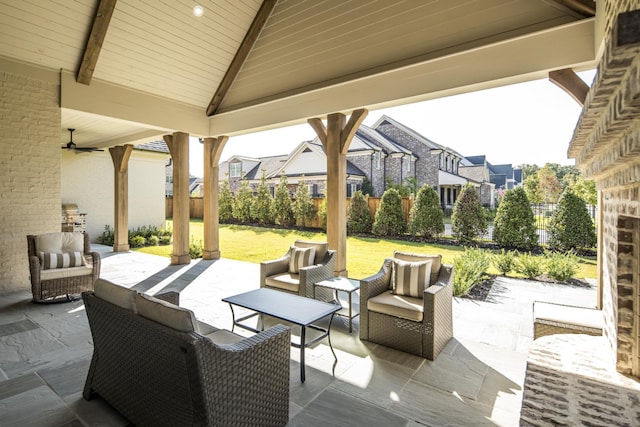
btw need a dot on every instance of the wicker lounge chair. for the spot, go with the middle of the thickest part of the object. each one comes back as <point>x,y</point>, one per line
<point>158,366</point>
<point>50,279</point>
<point>278,274</point>
<point>418,325</point>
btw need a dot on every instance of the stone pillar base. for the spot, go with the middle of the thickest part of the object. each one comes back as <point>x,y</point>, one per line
<point>121,248</point>
<point>180,259</point>
<point>211,255</point>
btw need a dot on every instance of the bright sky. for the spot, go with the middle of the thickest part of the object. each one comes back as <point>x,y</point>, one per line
<point>526,123</point>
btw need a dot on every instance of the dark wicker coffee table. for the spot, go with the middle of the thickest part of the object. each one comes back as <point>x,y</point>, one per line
<point>291,308</point>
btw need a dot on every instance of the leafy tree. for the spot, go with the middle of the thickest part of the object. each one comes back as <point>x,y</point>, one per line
<point>322,213</point>
<point>402,190</point>
<point>583,188</point>
<point>528,170</point>
<point>261,207</point>
<point>570,225</point>
<point>549,186</point>
<point>514,224</point>
<point>412,185</point>
<point>303,211</point>
<point>359,219</point>
<point>225,202</point>
<point>243,202</point>
<point>530,185</point>
<point>389,220</point>
<point>282,212</point>
<point>468,221</point>
<point>426,216</point>
<point>367,187</point>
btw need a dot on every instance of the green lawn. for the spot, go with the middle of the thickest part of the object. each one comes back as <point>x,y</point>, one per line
<point>364,255</point>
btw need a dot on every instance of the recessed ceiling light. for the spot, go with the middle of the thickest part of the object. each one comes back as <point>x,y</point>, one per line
<point>198,10</point>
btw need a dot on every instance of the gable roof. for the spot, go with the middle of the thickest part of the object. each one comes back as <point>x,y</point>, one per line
<point>153,146</point>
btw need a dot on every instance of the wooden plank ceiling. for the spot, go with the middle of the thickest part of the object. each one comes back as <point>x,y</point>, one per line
<point>160,49</point>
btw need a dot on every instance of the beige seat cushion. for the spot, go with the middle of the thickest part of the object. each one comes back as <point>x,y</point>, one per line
<point>62,273</point>
<point>321,248</point>
<point>436,262</point>
<point>114,294</point>
<point>60,242</point>
<point>287,281</point>
<point>409,308</point>
<point>165,313</point>
<point>573,315</point>
<point>223,336</point>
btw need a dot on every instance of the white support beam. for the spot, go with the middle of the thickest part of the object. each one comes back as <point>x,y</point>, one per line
<point>516,60</point>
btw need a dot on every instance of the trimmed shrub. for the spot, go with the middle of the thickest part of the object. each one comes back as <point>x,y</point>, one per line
<point>561,266</point>
<point>426,217</point>
<point>468,221</point>
<point>196,249</point>
<point>243,202</point>
<point>570,225</point>
<point>359,219</point>
<point>225,202</point>
<point>303,211</point>
<point>282,212</point>
<point>153,241</point>
<point>165,240</point>
<point>504,261</point>
<point>530,266</point>
<point>137,241</point>
<point>107,237</point>
<point>469,268</point>
<point>322,213</point>
<point>514,224</point>
<point>389,219</point>
<point>261,206</point>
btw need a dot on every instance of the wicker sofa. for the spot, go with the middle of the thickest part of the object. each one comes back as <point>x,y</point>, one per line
<point>50,279</point>
<point>277,274</point>
<point>417,325</point>
<point>158,366</point>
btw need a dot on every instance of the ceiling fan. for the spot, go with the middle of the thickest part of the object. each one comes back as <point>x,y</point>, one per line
<point>72,145</point>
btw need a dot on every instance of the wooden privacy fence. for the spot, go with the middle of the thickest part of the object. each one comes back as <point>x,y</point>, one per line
<point>196,208</point>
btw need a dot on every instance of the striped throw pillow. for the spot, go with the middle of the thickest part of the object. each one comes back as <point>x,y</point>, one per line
<point>51,260</point>
<point>410,278</point>
<point>300,257</point>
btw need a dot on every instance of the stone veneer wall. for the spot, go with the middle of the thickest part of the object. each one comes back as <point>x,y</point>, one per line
<point>30,168</point>
<point>376,176</point>
<point>606,146</point>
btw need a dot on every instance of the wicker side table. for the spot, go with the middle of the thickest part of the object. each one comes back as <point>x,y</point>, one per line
<point>551,318</point>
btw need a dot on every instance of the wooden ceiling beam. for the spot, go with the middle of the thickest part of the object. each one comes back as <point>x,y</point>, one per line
<point>94,43</point>
<point>571,83</point>
<point>241,55</point>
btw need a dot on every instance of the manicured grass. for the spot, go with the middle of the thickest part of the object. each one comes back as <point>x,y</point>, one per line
<point>364,255</point>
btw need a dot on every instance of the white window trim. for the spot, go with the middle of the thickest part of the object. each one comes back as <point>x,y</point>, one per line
<point>235,170</point>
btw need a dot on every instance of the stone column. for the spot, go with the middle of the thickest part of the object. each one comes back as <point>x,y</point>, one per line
<point>120,157</point>
<point>178,144</point>
<point>212,150</point>
<point>336,138</point>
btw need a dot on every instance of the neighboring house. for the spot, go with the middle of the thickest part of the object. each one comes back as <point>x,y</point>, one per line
<point>387,151</point>
<point>87,179</point>
<point>195,183</point>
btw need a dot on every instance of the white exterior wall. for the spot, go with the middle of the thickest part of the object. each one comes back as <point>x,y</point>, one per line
<point>87,180</point>
<point>29,168</point>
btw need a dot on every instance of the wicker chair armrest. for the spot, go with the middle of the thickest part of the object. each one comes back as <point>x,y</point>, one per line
<point>172,297</point>
<point>438,313</point>
<point>274,266</point>
<point>34,269</point>
<point>376,284</point>
<point>445,276</point>
<point>316,273</point>
<point>97,262</point>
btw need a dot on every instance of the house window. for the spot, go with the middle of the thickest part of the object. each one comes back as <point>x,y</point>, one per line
<point>442,161</point>
<point>377,160</point>
<point>310,189</point>
<point>408,163</point>
<point>235,169</point>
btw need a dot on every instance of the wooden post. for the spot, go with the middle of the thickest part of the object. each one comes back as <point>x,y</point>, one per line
<point>336,138</point>
<point>212,150</point>
<point>178,144</point>
<point>120,157</point>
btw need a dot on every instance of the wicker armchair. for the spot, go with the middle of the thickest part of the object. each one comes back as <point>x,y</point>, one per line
<point>156,374</point>
<point>420,326</point>
<point>49,283</point>
<point>275,274</point>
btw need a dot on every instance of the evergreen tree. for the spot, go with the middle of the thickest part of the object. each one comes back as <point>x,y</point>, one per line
<point>282,212</point>
<point>367,187</point>
<point>426,217</point>
<point>468,221</point>
<point>242,203</point>
<point>225,202</point>
<point>359,219</point>
<point>570,225</point>
<point>303,211</point>
<point>515,225</point>
<point>261,207</point>
<point>389,220</point>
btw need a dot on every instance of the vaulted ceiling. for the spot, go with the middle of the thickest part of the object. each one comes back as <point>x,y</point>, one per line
<point>132,70</point>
